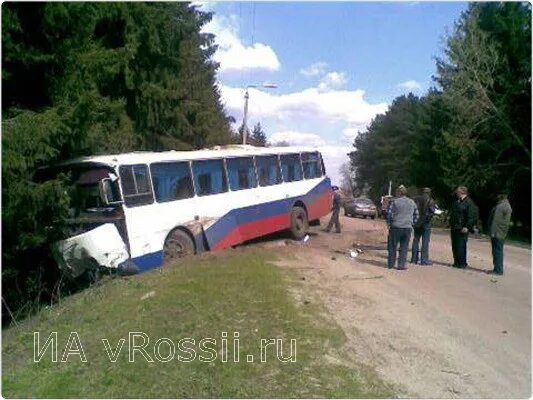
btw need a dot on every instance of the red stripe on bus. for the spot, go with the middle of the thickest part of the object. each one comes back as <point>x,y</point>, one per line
<point>265,226</point>
<point>253,230</point>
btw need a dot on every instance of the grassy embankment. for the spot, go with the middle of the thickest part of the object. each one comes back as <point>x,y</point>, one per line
<point>230,292</point>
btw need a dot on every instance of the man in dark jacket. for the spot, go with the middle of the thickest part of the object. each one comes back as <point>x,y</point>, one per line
<point>462,221</point>
<point>499,221</point>
<point>422,228</point>
<point>335,210</point>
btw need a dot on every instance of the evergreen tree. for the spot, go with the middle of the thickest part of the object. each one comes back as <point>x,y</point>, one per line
<point>258,137</point>
<point>90,78</point>
<point>474,129</point>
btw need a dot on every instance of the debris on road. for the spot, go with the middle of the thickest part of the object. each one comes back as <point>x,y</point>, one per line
<point>353,253</point>
<point>448,371</point>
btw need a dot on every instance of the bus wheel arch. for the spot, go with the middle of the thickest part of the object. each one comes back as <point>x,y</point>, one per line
<point>178,243</point>
<point>299,222</point>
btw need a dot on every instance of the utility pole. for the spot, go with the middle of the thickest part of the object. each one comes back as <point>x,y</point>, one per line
<point>245,115</point>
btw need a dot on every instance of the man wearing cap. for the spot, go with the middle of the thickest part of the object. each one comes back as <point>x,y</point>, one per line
<point>422,228</point>
<point>462,221</point>
<point>335,211</point>
<point>499,221</point>
<point>401,216</point>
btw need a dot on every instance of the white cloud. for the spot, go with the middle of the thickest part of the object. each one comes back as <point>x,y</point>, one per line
<point>350,133</point>
<point>297,138</point>
<point>333,80</point>
<point>316,69</point>
<point>204,5</point>
<point>345,107</point>
<point>334,157</point>
<point>232,54</point>
<point>411,85</point>
<point>328,120</point>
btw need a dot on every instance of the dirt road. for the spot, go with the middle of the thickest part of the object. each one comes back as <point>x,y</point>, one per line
<point>434,331</point>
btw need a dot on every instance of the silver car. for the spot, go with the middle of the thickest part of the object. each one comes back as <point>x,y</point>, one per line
<point>361,206</point>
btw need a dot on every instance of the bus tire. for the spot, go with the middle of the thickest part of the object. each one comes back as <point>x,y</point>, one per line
<point>299,223</point>
<point>178,244</point>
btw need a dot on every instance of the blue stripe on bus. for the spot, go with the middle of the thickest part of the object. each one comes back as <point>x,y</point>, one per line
<point>149,261</point>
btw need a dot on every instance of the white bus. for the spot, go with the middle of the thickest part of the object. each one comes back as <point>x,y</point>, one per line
<point>134,211</point>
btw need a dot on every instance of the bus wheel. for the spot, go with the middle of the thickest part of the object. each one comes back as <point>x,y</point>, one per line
<point>178,245</point>
<point>299,223</point>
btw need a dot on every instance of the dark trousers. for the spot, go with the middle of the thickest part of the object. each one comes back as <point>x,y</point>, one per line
<point>399,236</point>
<point>459,241</point>
<point>334,220</point>
<point>497,255</point>
<point>423,233</point>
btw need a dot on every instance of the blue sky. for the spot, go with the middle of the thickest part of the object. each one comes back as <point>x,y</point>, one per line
<point>336,65</point>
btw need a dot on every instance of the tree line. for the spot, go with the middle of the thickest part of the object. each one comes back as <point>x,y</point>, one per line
<point>472,128</point>
<point>92,78</point>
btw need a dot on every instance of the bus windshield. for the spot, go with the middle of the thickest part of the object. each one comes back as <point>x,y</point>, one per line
<point>84,183</point>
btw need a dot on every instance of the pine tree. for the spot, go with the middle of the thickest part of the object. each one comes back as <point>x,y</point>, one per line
<point>258,137</point>
<point>84,78</point>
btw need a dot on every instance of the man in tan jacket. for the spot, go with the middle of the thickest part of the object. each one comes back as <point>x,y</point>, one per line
<point>499,221</point>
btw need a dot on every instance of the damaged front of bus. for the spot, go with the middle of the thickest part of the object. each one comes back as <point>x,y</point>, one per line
<point>97,236</point>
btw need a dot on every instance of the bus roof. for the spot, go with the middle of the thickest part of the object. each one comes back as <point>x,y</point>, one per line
<point>147,157</point>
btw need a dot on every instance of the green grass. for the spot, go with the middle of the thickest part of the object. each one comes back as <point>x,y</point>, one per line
<point>230,292</point>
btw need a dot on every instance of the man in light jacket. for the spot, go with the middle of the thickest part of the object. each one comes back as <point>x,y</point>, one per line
<point>499,221</point>
<point>401,216</point>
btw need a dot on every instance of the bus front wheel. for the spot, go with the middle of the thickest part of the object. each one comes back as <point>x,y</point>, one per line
<point>299,223</point>
<point>177,245</point>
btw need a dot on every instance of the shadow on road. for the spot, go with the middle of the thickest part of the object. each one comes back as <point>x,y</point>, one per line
<point>435,263</point>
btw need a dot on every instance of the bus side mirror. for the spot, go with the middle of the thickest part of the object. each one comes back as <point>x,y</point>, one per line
<point>107,194</point>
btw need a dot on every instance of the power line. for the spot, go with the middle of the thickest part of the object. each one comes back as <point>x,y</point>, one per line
<point>250,73</point>
<point>253,22</point>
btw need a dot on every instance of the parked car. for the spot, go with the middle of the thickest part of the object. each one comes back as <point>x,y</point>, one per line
<point>361,206</point>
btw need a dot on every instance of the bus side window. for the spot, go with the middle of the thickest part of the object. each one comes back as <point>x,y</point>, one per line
<point>312,166</point>
<point>172,181</point>
<point>136,185</point>
<point>268,170</point>
<point>209,177</point>
<point>241,173</point>
<point>291,167</point>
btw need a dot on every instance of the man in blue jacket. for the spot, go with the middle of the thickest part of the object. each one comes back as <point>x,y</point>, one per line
<point>401,216</point>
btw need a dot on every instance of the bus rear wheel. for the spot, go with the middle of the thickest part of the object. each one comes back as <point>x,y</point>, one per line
<point>299,223</point>
<point>177,245</point>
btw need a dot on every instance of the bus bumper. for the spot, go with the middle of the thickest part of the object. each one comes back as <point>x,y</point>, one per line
<point>101,246</point>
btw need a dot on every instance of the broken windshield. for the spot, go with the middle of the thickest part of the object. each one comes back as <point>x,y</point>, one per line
<point>85,192</point>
